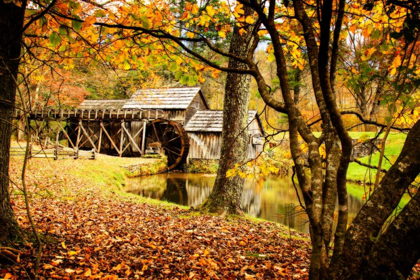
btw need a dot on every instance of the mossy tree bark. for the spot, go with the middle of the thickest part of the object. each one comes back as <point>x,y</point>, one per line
<point>11,23</point>
<point>227,192</point>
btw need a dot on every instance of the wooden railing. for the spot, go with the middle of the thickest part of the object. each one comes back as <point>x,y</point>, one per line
<point>91,114</point>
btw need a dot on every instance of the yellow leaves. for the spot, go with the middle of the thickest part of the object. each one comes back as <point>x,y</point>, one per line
<point>303,147</point>
<point>249,20</point>
<point>323,151</point>
<point>63,245</point>
<point>195,9</point>
<point>238,11</point>
<point>127,65</point>
<point>241,31</point>
<point>210,10</point>
<point>262,32</point>
<point>87,273</point>
<point>368,53</point>
<point>230,173</point>
<point>201,79</point>
<point>222,34</point>
<point>190,35</point>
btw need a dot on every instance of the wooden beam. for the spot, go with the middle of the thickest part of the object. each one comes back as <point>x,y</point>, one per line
<point>56,145</point>
<point>65,134</point>
<point>122,136</point>
<point>110,139</point>
<point>132,140</point>
<point>100,139</point>
<point>143,139</point>
<point>87,135</point>
<point>78,134</point>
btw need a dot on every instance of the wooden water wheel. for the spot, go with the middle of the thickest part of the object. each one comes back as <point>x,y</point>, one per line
<point>173,139</point>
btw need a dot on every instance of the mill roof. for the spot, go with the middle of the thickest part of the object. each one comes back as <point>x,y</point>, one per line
<point>212,121</point>
<point>164,98</point>
<point>114,104</point>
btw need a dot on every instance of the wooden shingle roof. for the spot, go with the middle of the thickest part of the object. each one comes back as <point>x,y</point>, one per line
<point>102,104</point>
<point>211,121</point>
<point>164,98</point>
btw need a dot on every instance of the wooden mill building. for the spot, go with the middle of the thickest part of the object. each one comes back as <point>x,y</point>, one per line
<point>186,128</point>
<point>205,133</point>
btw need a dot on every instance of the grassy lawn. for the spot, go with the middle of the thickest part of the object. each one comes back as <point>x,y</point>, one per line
<point>394,144</point>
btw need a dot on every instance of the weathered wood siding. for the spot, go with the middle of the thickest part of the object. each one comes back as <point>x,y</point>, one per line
<point>135,128</point>
<point>204,145</point>
<point>254,130</point>
<point>176,115</point>
<point>207,146</point>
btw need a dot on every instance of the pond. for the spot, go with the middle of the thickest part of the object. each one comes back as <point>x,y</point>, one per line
<point>274,199</point>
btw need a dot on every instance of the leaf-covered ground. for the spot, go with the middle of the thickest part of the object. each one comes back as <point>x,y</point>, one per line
<point>95,231</point>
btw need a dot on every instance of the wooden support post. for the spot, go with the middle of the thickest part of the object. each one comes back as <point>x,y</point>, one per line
<point>143,138</point>
<point>100,138</point>
<point>122,137</point>
<point>56,145</point>
<point>132,140</point>
<point>78,138</point>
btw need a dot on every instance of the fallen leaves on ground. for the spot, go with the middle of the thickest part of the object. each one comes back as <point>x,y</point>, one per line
<point>96,234</point>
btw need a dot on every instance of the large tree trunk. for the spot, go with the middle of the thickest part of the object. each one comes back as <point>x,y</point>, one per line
<point>11,23</point>
<point>361,237</point>
<point>227,192</point>
<point>398,250</point>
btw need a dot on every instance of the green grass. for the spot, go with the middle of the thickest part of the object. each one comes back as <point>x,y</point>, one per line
<point>356,172</point>
<point>394,144</point>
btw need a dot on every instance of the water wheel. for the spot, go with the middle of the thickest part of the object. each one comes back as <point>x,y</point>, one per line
<point>173,139</point>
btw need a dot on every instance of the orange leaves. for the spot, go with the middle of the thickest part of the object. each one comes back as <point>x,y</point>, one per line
<point>197,246</point>
<point>395,64</point>
<point>89,21</point>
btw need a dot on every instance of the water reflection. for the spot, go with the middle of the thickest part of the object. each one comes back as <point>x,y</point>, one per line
<point>274,199</point>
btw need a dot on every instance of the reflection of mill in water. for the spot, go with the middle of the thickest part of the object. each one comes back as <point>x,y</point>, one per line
<point>192,192</point>
<point>274,200</point>
<point>185,189</point>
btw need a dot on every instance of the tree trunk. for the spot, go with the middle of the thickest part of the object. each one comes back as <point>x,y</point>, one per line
<point>11,22</point>
<point>227,192</point>
<point>398,250</point>
<point>362,235</point>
